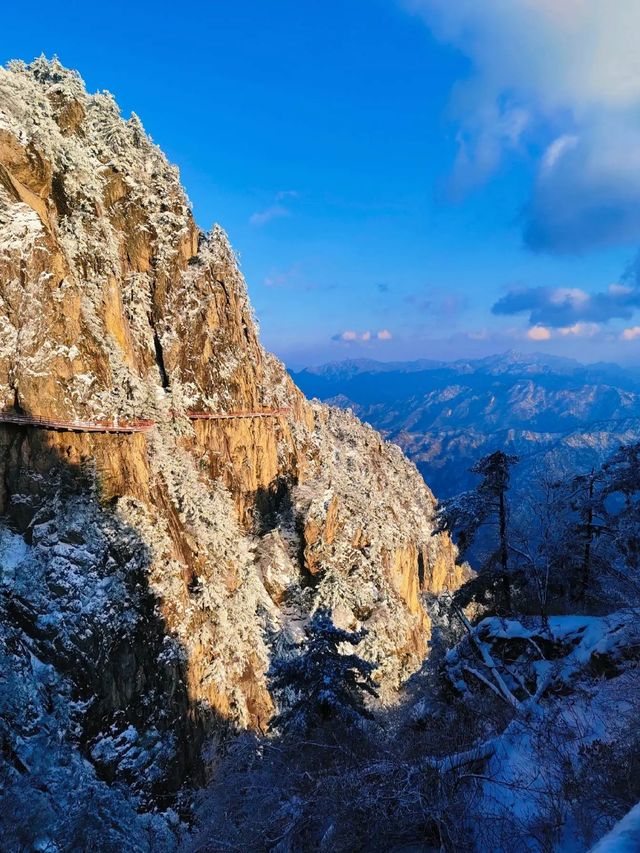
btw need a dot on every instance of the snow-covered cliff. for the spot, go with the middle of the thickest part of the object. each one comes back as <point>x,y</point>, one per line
<point>148,577</point>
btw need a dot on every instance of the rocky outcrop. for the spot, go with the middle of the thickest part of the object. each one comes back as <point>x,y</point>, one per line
<point>172,561</point>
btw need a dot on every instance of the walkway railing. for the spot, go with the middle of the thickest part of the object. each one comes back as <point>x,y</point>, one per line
<point>220,416</point>
<point>117,425</point>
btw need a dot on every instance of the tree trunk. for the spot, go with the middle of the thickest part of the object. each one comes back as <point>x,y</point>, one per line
<point>506,586</point>
<point>586,559</point>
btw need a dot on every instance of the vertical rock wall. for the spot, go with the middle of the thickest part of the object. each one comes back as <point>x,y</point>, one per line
<point>113,303</point>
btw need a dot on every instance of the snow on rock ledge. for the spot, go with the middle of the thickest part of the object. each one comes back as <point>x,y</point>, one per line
<point>219,533</point>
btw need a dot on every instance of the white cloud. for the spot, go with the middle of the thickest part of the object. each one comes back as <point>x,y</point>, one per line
<point>384,335</point>
<point>631,333</point>
<point>574,296</point>
<point>556,149</point>
<point>564,75</point>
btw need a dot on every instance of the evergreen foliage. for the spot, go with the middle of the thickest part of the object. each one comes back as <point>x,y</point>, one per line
<point>320,683</point>
<point>620,499</point>
<point>484,507</point>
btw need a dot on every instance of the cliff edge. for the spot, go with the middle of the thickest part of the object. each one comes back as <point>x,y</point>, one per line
<point>154,573</point>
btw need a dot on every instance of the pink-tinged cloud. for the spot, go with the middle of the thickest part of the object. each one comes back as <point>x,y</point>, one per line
<point>580,330</point>
<point>539,333</point>
<point>631,333</point>
<point>351,336</point>
<point>576,330</point>
<point>620,289</point>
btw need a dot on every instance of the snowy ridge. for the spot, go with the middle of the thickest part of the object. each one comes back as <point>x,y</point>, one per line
<point>624,837</point>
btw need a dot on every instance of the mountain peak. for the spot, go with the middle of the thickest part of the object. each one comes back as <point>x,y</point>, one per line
<point>159,567</point>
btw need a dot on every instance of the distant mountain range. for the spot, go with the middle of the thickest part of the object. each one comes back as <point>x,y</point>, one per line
<point>558,415</point>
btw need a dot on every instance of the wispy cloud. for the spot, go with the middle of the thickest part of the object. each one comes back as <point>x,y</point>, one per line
<point>438,302</point>
<point>277,210</point>
<point>296,277</point>
<point>290,278</point>
<point>558,80</point>
<point>262,217</point>
<point>352,337</point>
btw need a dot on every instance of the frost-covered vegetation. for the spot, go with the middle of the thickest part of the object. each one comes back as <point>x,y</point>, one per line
<point>263,589</point>
<point>321,682</point>
<point>519,733</point>
<point>121,307</point>
<point>76,622</point>
<point>156,578</point>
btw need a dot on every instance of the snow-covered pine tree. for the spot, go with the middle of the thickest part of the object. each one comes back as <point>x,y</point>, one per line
<point>317,682</point>
<point>620,493</point>
<point>485,506</point>
<point>584,498</point>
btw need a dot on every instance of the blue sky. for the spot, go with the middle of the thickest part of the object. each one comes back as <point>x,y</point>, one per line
<point>401,179</point>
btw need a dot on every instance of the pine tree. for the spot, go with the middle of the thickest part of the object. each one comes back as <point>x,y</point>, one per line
<point>585,501</point>
<point>620,501</point>
<point>484,507</point>
<point>319,683</point>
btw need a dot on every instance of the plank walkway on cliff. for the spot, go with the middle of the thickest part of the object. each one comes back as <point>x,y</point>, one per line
<point>116,425</point>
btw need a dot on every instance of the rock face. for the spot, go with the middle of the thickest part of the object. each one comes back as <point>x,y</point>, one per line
<point>155,573</point>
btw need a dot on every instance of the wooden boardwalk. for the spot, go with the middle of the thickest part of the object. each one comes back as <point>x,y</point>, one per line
<point>119,426</point>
